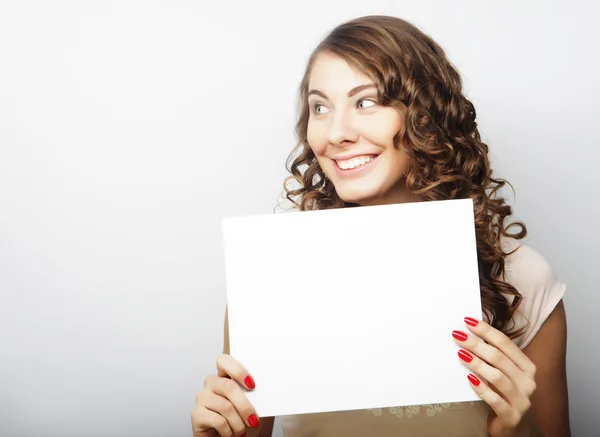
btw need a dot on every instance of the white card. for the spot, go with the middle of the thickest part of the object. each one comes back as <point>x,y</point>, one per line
<point>352,308</point>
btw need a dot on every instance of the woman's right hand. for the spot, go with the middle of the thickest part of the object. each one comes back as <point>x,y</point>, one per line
<point>222,408</point>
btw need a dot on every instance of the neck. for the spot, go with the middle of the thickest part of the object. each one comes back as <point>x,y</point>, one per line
<point>400,196</point>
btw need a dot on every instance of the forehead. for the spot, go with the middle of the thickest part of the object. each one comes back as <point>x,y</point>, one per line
<point>332,74</point>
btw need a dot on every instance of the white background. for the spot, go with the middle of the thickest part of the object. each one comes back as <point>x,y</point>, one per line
<point>128,129</point>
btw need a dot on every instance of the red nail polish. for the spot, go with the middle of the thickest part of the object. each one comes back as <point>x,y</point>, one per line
<point>459,335</point>
<point>471,321</point>
<point>243,435</point>
<point>474,380</point>
<point>253,421</point>
<point>465,356</point>
<point>249,381</point>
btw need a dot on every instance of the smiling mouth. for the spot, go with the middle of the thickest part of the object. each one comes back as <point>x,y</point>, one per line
<point>355,163</point>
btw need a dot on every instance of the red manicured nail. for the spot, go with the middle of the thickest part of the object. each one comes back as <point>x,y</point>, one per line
<point>474,380</point>
<point>249,382</point>
<point>471,321</point>
<point>253,421</point>
<point>243,435</point>
<point>459,335</point>
<point>465,356</point>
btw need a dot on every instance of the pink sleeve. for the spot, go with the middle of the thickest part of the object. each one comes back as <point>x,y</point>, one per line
<point>533,277</point>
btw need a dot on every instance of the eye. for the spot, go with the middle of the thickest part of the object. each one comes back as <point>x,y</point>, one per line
<point>369,103</point>
<point>319,109</point>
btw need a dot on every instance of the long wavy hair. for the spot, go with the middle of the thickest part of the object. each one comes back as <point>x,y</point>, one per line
<point>448,160</point>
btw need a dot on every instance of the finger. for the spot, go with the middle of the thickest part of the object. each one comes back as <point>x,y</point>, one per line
<point>495,358</point>
<point>504,386</point>
<point>225,408</point>
<point>501,342</point>
<point>230,390</point>
<point>507,415</point>
<point>204,419</point>
<point>227,366</point>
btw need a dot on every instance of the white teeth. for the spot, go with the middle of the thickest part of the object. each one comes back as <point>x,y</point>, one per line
<point>354,162</point>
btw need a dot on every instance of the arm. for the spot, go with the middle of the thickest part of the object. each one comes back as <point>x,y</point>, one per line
<point>266,423</point>
<point>547,350</point>
<point>512,377</point>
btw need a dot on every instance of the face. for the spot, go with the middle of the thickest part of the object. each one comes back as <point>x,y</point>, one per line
<point>352,135</point>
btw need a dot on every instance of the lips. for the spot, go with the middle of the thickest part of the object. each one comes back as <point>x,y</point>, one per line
<point>355,164</point>
<point>355,161</point>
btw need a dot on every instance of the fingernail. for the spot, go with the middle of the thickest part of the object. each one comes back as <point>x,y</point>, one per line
<point>474,380</point>
<point>249,381</point>
<point>459,335</point>
<point>465,356</point>
<point>471,321</point>
<point>253,421</point>
<point>243,435</point>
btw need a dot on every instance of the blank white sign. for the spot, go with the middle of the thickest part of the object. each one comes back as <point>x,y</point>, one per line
<point>352,308</point>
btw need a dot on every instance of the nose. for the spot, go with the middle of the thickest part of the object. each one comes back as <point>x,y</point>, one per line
<point>341,131</point>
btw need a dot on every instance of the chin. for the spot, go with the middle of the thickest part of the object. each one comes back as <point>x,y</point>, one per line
<point>359,198</point>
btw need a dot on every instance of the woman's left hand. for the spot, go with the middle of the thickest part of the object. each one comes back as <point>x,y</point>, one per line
<point>509,372</point>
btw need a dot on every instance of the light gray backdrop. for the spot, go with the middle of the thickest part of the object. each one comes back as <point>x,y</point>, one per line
<point>128,129</point>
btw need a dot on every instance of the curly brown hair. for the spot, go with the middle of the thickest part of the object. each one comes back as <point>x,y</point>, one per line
<point>448,158</point>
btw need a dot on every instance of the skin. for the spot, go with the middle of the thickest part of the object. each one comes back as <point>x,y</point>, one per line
<point>527,389</point>
<point>345,119</point>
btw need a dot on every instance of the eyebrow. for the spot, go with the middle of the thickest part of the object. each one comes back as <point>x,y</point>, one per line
<point>352,92</point>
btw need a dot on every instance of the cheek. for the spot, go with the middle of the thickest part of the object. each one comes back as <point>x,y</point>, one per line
<point>316,139</point>
<point>403,163</point>
<point>395,124</point>
<point>389,124</point>
<point>381,128</point>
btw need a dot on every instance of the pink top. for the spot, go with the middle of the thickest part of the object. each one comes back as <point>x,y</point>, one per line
<point>532,276</point>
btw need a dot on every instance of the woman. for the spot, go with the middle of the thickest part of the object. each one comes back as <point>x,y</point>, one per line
<point>383,120</point>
